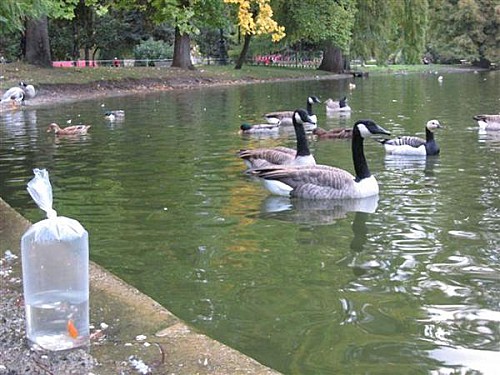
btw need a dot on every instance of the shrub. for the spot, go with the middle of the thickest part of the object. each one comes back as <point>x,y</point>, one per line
<point>153,50</point>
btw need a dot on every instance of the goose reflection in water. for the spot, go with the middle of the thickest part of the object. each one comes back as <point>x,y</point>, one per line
<point>404,163</point>
<point>490,138</point>
<point>316,212</point>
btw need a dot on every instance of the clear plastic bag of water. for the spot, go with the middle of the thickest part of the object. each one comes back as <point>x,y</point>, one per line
<point>55,264</point>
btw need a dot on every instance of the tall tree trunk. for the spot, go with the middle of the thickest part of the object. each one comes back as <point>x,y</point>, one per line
<point>182,51</point>
<point>244,51</point>
<point>333,61</point>
<point>37,50</point>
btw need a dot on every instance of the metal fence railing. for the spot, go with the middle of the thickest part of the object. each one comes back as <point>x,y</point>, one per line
<point>114,63</point>
<point>270,60</point>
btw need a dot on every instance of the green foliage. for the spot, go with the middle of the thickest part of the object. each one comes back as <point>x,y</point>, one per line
<point>189,16</point>
<point>14,12</point>
<point>153,49</point>
<point>465,29</point>
<point>61,39</point>
<point>317,21</point>
<point>375,30</point>
<point>414,26</point>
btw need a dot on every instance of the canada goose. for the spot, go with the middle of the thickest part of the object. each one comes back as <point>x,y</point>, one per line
<point>262,157</point>
<point>115,115</point>
<point>337,106</point>
<point>323,181</point>
<point>336,133</point>
<point>18,94</point>
<point>488,122</point>
<point>259,128</point>
<point>414,146</point>
<point>284,118</point>
<point>69,130</point>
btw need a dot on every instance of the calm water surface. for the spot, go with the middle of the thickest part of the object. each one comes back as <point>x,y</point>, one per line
<point>304,288</point>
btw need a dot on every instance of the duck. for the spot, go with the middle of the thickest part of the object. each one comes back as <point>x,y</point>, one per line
<point>261,157</point>
<point>115,115</point>
<point>414,146</point>
<point>68,130</point>
<point>337,105</point>
<point>488,122</point>
<point>323,181</point>
<point>336,133</point>
<point>284,118</point>
<point>18,94</point>
<point>259,128</point>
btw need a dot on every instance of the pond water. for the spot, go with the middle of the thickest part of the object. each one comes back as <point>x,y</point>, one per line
<point>304,288</point>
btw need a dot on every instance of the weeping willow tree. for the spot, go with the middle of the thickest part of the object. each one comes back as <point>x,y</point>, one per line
<point>374,30</point>
<point>391,27</point>
<point>414,24</point>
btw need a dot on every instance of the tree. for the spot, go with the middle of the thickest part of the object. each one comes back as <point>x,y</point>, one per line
<point>255,17</point>
<point>187,16</point>
<point>375,29</point>
<point>465,29</point>
<point>13,14</point>
<point>326,23</point>
<point>414,27</point>
<point>37,47</point>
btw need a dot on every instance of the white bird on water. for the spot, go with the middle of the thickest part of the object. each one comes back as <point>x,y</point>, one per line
<point>18,94</point>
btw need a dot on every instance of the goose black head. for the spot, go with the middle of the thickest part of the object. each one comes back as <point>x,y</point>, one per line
<point>342,102</point>
<point>313,99</point>
<point>300,116</point>
<point>367,128</point>
<point>245,126</point>
<point>432,125</point>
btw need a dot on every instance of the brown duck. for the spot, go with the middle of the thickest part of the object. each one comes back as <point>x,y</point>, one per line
<point>69,130</point>
<point>337,133</point>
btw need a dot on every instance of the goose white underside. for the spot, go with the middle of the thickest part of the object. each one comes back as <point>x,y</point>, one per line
<point>339,109</point>
<point>405,150</point>
<point>287,121</point>
<point>483,125</point>
<point>367,187</point>
<point>276,187</point>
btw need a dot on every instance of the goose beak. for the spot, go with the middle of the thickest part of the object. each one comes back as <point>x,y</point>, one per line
<point>382,131</point>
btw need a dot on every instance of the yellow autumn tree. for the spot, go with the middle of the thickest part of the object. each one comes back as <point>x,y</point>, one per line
<point>255,17</point>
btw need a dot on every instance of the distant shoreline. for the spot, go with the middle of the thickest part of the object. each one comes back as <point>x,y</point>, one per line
<point>172,79</point>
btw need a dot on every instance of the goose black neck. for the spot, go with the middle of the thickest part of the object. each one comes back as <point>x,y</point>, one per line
<point>309,108</point>
<point>431,147</point>
<point>429,136</point>
<point>302,146</point>
<point>358,156</point>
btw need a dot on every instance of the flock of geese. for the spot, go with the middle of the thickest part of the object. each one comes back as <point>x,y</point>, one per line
<point>294,172</point>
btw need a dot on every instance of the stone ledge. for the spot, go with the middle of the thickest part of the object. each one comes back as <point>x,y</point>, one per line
<point>131,332</point>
